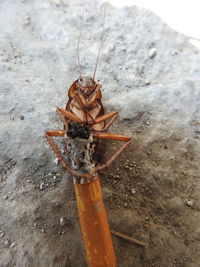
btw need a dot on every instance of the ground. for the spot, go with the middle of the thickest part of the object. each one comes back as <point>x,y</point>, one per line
<point>150,74</point>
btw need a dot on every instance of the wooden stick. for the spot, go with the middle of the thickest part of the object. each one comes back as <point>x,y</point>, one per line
<point>130,239</point>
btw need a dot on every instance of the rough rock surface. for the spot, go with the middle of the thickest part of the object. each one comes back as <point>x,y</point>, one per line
<point>149,73</point>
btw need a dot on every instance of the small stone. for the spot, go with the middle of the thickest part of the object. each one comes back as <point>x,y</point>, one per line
<point>56,161</point>
<point>133,191</point>
<point>62,221</point>
<point>35,224</point>
<point>42,231</point>
<point>189,203</point>
<point>2,234</point>
<point>6,197</point>
<point>6,243</point>
<point>12,245</point>
<point>147,82</point>
<point>22,117</point>
<point>42,186</point>
<point>152,52</point>
<point>54,178</point>
<point>63,151</point>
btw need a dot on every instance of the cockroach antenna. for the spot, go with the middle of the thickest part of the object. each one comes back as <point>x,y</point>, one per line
<point>101,43</point>
<point>78,44</point>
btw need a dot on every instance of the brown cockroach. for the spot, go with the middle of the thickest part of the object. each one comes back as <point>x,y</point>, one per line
<point>85,126</point>
<point>84,117</point>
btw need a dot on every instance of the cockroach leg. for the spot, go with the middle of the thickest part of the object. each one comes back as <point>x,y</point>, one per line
<point>118,137</point>
<point>106,127</point>
<point>56,133</point>
<point>69,115</point>
<point>117,153</point>
<point>94,97</point>
<point>105,117</point>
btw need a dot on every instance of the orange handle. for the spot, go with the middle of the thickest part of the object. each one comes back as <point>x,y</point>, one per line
<point>94,225</point>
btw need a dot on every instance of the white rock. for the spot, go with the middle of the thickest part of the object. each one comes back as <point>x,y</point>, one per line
<point>152,52</point>
<point>133,191</point>
<point>42,186</point>
<point>189,203</point>
<point>6,243</point>
<point>62,221</point>
<point>56,161</point>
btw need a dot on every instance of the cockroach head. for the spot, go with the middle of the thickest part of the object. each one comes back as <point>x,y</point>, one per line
<point>86,86</point>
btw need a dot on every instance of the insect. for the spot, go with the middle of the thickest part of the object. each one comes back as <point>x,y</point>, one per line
<point>85,126</point>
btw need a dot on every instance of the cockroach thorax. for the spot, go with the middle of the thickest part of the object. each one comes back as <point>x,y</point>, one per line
<point>78,130</point>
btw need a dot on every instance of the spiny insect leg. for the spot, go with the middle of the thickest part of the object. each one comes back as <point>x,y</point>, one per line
<point>69,115</point>
<point>105,117</point>
<point>117,153</point>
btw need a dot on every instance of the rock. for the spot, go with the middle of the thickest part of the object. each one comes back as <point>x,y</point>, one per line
<point>22,117</point>
<point>42,186</point>
<point>56,161</point>
<point>6,243</point>
<point>2,234</point>
<point>147,82</point>
<point>189,203</point>
<point>12,245</point>
<point>152,52</point>
<point>133,191</point>
<point>62,221</point>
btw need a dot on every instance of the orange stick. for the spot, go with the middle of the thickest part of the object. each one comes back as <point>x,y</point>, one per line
<point>94,225</point>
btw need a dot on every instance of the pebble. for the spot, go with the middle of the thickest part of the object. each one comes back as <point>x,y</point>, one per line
<point>62,221</point>
<point>152,52</point>
<point>133,191</point>
<point>189,203</point>
<point>6,243</point>
<point>147,82</point>
<point>56,161</point>
<point>35,224</point>
<point>12,245</point>
<point>54,178</point>
<point>42,186</point>
<point>22,117</point>
<point>42,230</point>
<point>2,234</point>
<point>6,197</point>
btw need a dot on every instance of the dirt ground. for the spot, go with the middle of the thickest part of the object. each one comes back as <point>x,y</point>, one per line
<point>149,73</point>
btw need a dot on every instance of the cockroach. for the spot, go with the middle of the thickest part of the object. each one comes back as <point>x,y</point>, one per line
<point>85,125</point>
<point>84,118</point>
